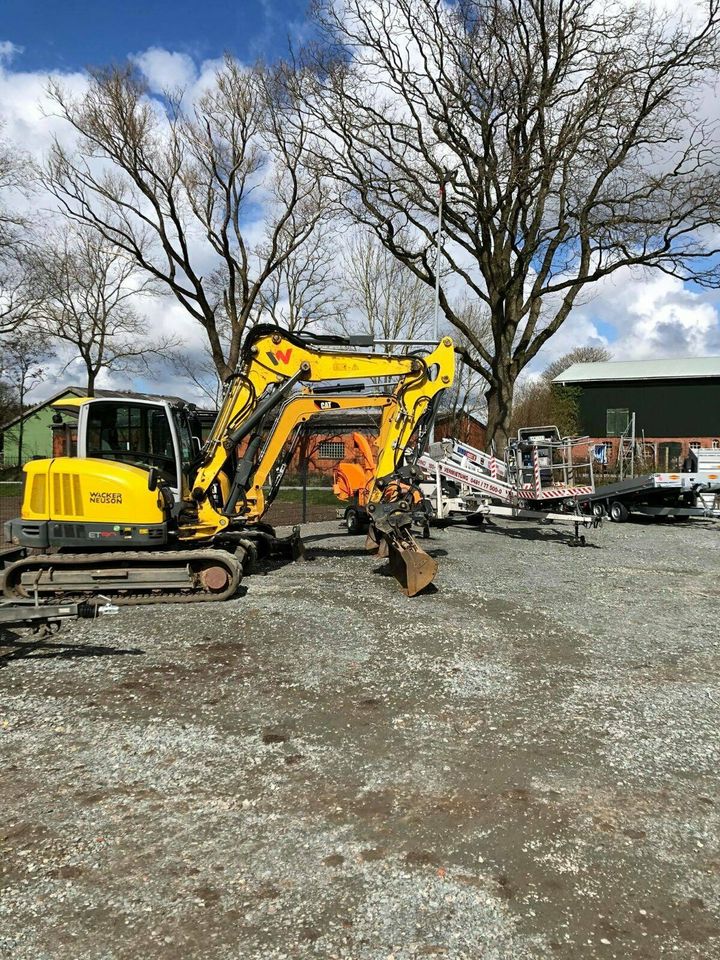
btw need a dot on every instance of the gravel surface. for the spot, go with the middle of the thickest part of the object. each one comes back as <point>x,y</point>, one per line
<point>522,764</point>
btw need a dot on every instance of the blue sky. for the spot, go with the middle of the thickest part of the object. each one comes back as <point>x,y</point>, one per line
<point>72,34</point>
<point>638,315</point>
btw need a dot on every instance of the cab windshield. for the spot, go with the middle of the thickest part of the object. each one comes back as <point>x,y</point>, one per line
<point>135,433</point>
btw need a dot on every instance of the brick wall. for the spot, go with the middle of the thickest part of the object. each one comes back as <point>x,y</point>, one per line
<point>666,453</point>
<point>320,465</point>
<point>466,429</point>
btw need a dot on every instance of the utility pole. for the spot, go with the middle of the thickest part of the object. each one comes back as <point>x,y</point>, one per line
<point>447,177</point>
<point>438,259</point>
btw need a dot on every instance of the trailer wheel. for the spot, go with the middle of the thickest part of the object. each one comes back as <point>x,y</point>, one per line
<point>618,512</point>
<point>598,510</point>
<point>353,522</point>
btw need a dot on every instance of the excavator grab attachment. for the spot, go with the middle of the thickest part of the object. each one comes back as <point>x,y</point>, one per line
<point>390,536</point>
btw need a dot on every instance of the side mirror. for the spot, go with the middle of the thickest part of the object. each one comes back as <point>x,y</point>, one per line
<point>152,478</point>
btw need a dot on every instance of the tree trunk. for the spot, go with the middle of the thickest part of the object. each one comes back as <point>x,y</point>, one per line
<point>21,425</point>
<point>499,400</point>
<point>20,435</point>
<point>91,382</point>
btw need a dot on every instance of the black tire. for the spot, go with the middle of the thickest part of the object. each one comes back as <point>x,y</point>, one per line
<point>476,519</point>
<point>618,512</point>
<point>598,510</point>
<point>353,522</point>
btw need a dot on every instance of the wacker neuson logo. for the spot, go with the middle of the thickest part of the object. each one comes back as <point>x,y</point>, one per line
<point>99,497</point>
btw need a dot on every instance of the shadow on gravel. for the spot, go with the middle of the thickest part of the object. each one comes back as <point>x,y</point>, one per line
<point>337,552</point>
<point>44,649</point>
<point>528,533</point>
<point>384,571</point>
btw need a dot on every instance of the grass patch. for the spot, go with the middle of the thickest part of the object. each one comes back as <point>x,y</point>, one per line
<point>12,489</point>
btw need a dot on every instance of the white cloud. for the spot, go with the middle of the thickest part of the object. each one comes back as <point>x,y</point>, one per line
<point>642,316</point>
<point>165,69</point>
<point>26,111</point>
<point>9,50</point>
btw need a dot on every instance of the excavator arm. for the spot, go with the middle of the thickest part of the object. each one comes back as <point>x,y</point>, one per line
<point>281,441</point>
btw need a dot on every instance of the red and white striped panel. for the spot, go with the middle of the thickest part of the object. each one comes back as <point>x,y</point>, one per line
<point>554,493</point>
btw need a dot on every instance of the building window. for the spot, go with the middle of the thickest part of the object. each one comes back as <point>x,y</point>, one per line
<point>617,421</point>
<point>716,444</point>
<point>331,450</point>
<point>695,445</point>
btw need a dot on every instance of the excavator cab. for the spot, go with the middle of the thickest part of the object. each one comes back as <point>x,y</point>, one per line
<point>154,435</point>
<point>124,487</point>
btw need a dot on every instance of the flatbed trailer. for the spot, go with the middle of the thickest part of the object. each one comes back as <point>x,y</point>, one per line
<point>679,495</point>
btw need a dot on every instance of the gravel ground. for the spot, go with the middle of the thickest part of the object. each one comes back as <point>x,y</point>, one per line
<point>522,764</point>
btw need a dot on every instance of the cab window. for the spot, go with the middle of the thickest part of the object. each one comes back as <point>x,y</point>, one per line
<point>132,433</point>
<point>182,429</point>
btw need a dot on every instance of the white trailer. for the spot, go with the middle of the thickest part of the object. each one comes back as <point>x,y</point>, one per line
<point>536,481</point>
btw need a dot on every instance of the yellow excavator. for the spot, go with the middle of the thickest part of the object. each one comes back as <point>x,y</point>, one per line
<point>146,514</point>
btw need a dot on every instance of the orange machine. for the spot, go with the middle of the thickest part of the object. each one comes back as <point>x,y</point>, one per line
<point>352,482</point>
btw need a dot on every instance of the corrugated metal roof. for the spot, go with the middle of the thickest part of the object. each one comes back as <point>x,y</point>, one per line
<point>676,369</point>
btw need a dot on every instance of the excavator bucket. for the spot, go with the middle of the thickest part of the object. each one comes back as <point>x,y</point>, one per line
<point>270,547</point>
<point>411,566</point>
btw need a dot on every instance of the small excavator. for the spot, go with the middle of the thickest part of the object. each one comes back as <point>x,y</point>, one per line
<point>145,513</point>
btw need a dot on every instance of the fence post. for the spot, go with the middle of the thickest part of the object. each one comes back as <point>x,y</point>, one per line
<point>304,460</point>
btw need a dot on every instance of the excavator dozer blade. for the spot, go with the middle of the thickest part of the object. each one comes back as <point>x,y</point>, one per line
<point>410,565</point>
<point>287,548</point>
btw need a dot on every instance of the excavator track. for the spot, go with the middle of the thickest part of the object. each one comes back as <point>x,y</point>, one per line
<point>127,578</point>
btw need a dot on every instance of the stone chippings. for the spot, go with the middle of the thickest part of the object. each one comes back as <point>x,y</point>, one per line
<point>521,765</point>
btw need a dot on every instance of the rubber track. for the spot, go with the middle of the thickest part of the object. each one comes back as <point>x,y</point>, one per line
<point>91,561</point>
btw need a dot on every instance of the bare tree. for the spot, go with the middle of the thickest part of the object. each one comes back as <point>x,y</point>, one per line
<point>17,297</point>
<point>568,136</point>
<point>467,394</point>
<point>586,354</point>
<point>9,401</point>
<point>198,368</point>
<point>384,298</point>
<point>303,291</point>
<point>208,198</point>
<point>22,355</point>
<point>539,402</point>
<point>88,289</point>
